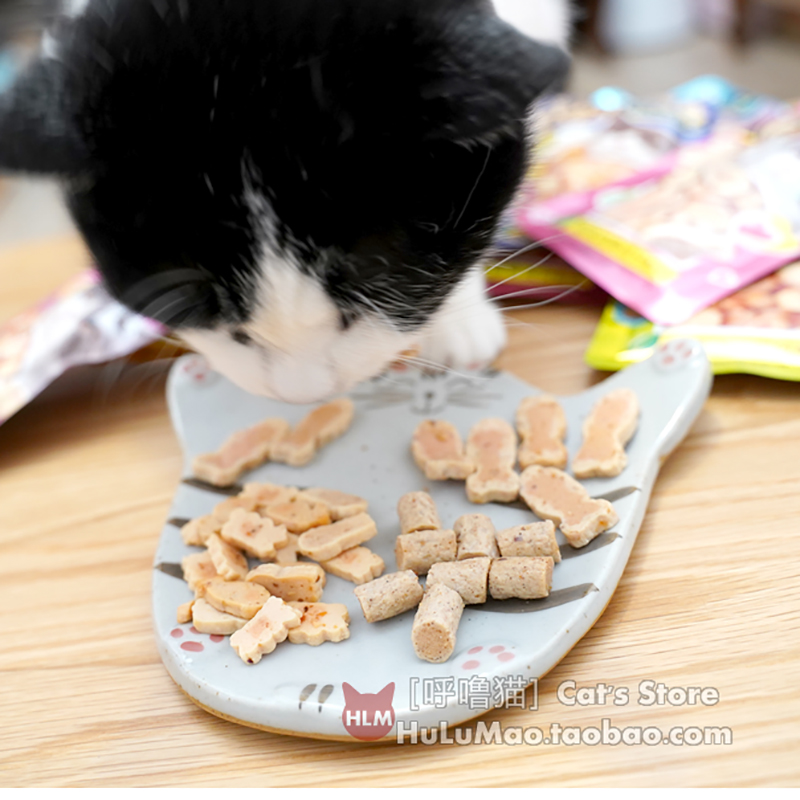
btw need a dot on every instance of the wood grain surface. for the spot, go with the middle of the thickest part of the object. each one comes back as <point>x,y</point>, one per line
<point>710,598</point>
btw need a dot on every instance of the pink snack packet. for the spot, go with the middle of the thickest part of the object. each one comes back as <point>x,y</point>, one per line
<point>79,324</point>
<point>728,214</point>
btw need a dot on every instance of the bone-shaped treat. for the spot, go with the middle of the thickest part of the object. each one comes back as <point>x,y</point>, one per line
<point>298,582</point>
<point>542,426</point>
<point>357,565</point>
<point>258,536</point>
<point>492,446</point>
<point>320,622</point>
<point>608,428</point>
<point>315,430</point>
<point>439,452</point>
<point>267,629</point>
<point>240,452</point>
<point>552,494</point>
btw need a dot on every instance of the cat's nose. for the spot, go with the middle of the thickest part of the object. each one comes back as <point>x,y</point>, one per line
<point>295,381</point>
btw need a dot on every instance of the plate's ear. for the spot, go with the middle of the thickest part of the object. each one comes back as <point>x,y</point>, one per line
<point>38,132</point>
<point>485,77</point>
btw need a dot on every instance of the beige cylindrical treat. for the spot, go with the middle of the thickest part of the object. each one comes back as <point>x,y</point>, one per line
<point>315,430</point>
<point>492,446</point>
<point>418,551</point>
<point>242,451</point>
<point>469,578</point>
<point>267,629</point>
<point>552,494</point>
<point>389,595</point>
<point>240,598</point>
<point>196,532</point>
<point>298,582</point>
<point>320,622</point>
<point>207,619</point>
<point>436,623</point>
<point>358,565</point>
<point>328,541</point>
<point>439,452</point>
<point>476,537</point>
<point>340,504</point>
<point>542,426</point>
<point>417,512</point>
<point>198,569</point>
<point>529,541</point>
<point>523,578</point>
<point>608,428</point>
<point>299,514</point>
<point>229,562</point>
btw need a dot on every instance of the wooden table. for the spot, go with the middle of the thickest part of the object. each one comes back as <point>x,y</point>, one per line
<point>710,598</point>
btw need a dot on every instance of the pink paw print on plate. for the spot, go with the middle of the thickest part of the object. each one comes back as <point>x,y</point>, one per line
<point>194,646</point>
<point>483,657</point>
<point>676,354</point>
<point>196,368</point>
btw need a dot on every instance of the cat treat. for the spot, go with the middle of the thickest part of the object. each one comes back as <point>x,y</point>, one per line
<point>299,514</point>
<point>417,512</point>
<point>552,494</point>
<point>439,452</point>
<point>265,631</point>
<point>184,614</point>
<point>476,537</point>
<point>492,446</point>
<point>436,623</point>
<point>261,495</point>
<point>542,426</point>
<point>530,541</point>
<point>340,504</point>
<point>321,426</point>
<point>328,541</point>
<point>198,569</point>
<point>257,536</point>
<point>207,619</point>
<point>418,551</point>
<point>299,582</point>
<point>357,565</point>
<point>608,428</point>
<point>388,596</point>
<point>522,578</point>
<point>469,578</point>
<point>222,511</point>
<point>240,452</point>
<point>196,532</point>
<point>320,622</point>
<point>287,554</point>
<point>228,561</point>
<point>240,598</point>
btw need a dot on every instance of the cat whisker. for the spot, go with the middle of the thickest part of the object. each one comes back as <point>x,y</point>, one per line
<point>549,300</point>
<point>526,249</point>
<point>529,269</point>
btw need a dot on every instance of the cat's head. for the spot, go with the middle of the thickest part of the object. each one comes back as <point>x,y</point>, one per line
<point>296,187</point>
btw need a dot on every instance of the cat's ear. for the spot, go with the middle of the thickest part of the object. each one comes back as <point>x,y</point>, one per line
<point>38,131</point>
<point>486,77</point>
<point>351,695</point>
<point>386,695</point>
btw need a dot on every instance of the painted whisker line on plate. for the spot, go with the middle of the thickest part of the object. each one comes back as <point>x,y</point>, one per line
<point>209,487</point>
<point>559,597</point>
<point>617,494</point>
<point>175,570</point>
<point>178,522</point>
<point>603,540</point>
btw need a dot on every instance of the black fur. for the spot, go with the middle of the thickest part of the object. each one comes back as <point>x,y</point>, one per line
<point>387,136</point>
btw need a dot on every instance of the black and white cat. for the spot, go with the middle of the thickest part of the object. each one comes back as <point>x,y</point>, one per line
<point>300,188</point>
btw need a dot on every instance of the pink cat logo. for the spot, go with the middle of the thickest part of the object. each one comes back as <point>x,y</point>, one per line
<point>368,716</point>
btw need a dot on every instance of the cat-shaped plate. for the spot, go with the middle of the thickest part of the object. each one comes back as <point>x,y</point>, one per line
<point>298,689</point>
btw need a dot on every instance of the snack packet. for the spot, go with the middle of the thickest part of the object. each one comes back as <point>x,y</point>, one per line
<point>79,324</point>
<point>727,215</point>
<point>756,330</point>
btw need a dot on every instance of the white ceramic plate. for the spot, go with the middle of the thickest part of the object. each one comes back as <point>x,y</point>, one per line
<point>298,689</point>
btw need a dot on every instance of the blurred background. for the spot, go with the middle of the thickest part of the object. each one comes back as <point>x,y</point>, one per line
<point>643,46</point>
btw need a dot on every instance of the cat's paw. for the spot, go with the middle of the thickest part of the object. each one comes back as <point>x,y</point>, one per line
<point>466,335</point>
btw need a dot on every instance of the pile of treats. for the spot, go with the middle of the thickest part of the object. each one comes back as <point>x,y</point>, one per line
<point>279,598</point>
<point>472,561</point>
